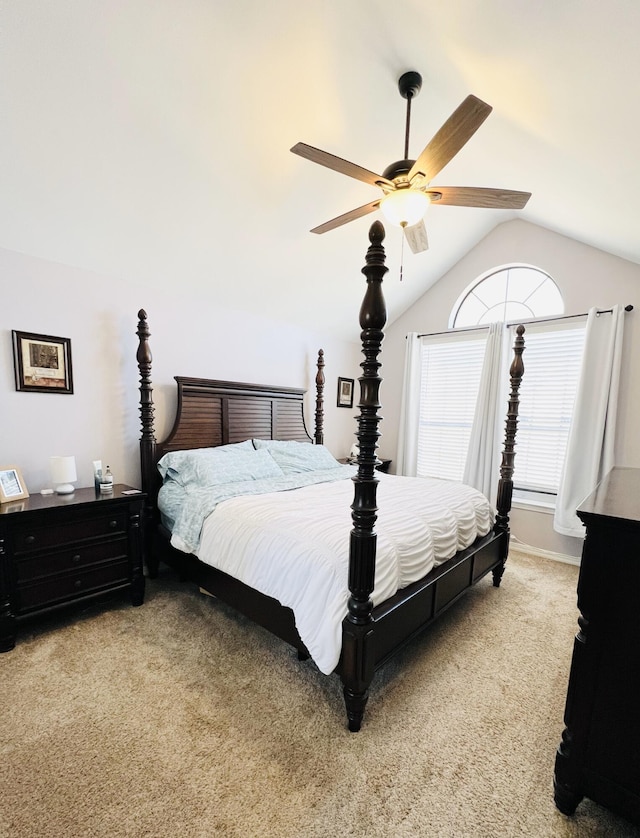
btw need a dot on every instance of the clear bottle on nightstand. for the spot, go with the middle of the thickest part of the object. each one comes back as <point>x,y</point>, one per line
<point>106,481</point>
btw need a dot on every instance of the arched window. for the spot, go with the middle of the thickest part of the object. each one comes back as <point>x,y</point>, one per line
<point>508,293</point>
<point>451,366</point>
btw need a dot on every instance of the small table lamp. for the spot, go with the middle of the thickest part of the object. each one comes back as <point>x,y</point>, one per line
<point>63,474</point>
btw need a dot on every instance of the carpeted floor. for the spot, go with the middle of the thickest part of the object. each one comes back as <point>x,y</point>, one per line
<point>181,719</point>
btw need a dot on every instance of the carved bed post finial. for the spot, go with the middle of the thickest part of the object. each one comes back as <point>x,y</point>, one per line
<point>144,358</point>
<point>319,432</point>
<point>505,486</point>
<point>149,473</point>
<point>357,648</point>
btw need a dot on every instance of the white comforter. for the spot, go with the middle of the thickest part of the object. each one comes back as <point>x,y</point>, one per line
<point>294,545</point>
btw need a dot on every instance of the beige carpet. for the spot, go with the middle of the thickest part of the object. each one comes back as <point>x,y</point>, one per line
<point>180,719</point>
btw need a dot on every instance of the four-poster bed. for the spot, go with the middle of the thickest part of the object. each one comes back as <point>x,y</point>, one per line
<point>239,418</point>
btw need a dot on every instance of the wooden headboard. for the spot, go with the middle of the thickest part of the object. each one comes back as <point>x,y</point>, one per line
<point>211,413</point>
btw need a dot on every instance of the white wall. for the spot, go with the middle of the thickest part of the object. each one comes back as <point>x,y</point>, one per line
<point>194,337</point>
<point>587,277</point>
<point>191,337</point>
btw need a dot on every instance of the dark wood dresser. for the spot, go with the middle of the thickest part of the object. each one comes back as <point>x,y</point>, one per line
<point>61,549</point>
<point>599,755</point>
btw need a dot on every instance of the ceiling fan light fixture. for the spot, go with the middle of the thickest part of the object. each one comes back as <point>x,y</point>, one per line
<point>404,207</point>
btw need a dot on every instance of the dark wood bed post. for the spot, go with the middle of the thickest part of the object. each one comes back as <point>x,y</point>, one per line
<point>319,430</point>
<point>505,486</point>
<point>147,438</point>
<point>357,628</point>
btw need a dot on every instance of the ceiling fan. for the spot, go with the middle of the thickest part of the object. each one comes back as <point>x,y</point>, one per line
<point>406,184</point>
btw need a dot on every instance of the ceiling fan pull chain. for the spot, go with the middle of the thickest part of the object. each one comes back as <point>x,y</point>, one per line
<point>401,255</point>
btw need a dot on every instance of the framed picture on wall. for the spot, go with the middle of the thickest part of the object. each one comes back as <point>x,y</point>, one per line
<point>42,363</point>
<point>11,484</point>
<point>345,392</point>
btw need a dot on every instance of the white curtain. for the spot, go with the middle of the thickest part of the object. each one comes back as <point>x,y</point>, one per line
<point>407,455</point>
<point>481,467</point>
<point>590,447</point>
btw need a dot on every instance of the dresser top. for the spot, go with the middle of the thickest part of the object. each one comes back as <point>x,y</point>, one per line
<point>616,496</point>
<point>80,497</point>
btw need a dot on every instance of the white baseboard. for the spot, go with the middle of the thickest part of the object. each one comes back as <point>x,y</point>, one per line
<point>520,547</point>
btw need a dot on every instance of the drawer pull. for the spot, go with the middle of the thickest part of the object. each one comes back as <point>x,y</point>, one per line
<point>77,583</point>
<point>30,539</point>
<point>75,559</point>
<point>113,524</point>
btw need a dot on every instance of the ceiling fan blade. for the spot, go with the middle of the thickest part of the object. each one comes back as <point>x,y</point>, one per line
<point>456,131</point>
<point>348,216</point>
<point>477,196</point>
<point>416,236</point>
<point>344,167</point>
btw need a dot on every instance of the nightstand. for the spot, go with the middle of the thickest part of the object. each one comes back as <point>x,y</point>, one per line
<point>381,465</point>
<point>56,550</point>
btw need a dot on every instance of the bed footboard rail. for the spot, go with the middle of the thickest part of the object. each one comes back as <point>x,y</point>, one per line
<point>505,484</point>
<point>358,653</point>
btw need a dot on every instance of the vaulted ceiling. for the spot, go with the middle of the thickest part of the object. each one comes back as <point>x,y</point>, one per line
<point>149,139</point>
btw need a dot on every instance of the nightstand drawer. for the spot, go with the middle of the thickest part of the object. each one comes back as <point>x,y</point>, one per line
<point>74,559</point>
<point>31,538</point>
<point>53,590</point>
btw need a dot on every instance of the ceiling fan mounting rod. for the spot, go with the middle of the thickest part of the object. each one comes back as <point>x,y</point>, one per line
<point>409,85</point>
<point>407,127</point>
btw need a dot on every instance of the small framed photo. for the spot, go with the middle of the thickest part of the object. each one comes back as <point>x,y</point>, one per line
<point>12,485</point>
<point>42,363</point>
<point>345,392</point>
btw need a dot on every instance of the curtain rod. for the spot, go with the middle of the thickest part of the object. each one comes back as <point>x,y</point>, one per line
<point>562,317</point>
<point>451,331</point>
<point>521,322</point>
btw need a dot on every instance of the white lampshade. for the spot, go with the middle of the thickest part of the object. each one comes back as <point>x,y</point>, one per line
<point>404,207</point>
<point>63,474</point>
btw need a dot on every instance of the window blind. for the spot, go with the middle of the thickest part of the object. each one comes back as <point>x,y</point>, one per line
<point>450,380</point>
<point>552,359</point>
